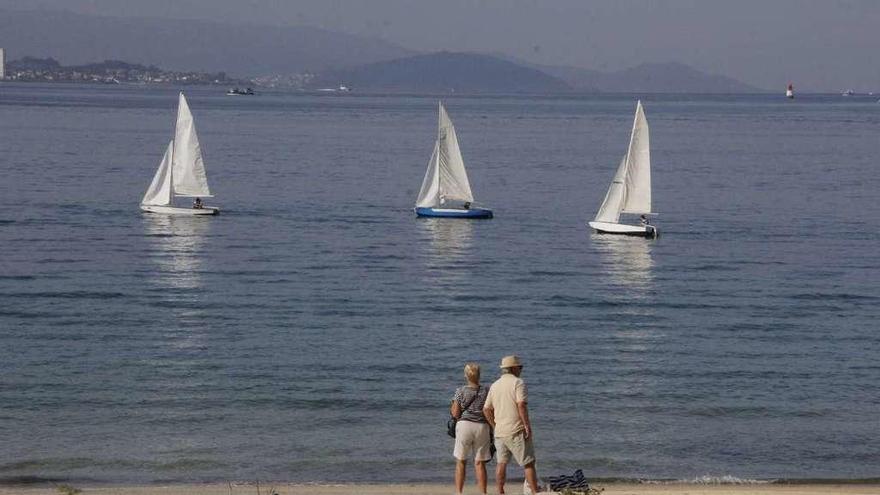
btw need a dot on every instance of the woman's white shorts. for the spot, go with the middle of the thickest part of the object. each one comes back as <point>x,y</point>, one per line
<point>471,436</point>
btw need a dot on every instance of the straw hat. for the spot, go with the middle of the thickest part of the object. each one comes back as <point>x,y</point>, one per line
<point>510,362</point>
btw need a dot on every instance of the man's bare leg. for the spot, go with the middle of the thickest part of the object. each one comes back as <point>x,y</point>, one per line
<point>500,476</point>
<point>459,475</point>
<point>531,476</point>
<point>480,471</point>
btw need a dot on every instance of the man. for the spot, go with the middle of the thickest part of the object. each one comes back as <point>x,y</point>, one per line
<point>507,411</point>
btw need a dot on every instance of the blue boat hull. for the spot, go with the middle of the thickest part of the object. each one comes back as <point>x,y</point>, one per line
<point>454,212</point>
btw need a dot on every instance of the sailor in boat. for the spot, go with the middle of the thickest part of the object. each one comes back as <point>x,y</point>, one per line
<point>644,220</point>
<point>197,203</point>
<point>467,205</point>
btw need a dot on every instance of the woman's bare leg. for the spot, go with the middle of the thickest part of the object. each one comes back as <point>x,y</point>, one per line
<point>459,475</point>
<point>480,472</point>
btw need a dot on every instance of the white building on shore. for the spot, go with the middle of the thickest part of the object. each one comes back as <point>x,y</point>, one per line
<point>2,64</point>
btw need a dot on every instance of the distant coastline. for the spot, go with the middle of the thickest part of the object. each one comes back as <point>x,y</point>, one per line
<point>50,70</point>
<point>434,73</point>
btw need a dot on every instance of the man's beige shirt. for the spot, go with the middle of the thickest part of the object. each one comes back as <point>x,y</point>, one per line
<point>503,396</point>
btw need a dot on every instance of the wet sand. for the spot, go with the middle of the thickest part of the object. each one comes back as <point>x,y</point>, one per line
<point>446,489</point>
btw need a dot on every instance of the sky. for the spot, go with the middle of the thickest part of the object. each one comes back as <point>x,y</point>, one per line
<point>819,45</point>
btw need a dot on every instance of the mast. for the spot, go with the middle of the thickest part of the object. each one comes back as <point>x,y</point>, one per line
<point>171,173</point>
<point>638,167</point>
<point>171,168</point>
<point>439,151</point>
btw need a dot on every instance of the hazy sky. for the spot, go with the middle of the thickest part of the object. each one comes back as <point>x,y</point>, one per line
<point>817,44</point>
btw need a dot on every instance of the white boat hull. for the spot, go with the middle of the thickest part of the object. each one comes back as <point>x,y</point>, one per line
<point>623,229</point>
<point>177,210</point>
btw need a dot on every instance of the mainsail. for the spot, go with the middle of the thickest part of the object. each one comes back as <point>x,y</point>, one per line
<point>446,178</point>
<point>189,176</point>
<point>159,192</point>
<point>638,175</point>
<point>630,191</point>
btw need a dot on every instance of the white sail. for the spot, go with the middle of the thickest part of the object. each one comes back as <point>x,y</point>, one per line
<point>189,178</point>
<point>159,192</point>
<point>453,179</point>
<point>446,181</point>
<point>630,191</point>
<point>429,194</point>
<point>454,184</point>
<point>614,198</point>
<point>638,168</point>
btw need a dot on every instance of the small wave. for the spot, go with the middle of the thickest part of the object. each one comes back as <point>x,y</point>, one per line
<point>20,314</point>
<point>80,294</point>
<point>17,277</point>
<point>710,267</point>
<point>819,296</point>
<point>477,297</point>
<point>581,302</point>
<point>715,480</point>
<point>28,480</point>
<point>552,273</point>
<point>77,463</point>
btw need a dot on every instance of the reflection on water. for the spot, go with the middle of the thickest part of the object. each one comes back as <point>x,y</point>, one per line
<point>450,239</point>
<point>176,245</point>
<point>627,262</point>
<point>449,249</point>
<point>627,266</point>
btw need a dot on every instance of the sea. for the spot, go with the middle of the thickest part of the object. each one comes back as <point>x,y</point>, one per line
<point>315,330</point>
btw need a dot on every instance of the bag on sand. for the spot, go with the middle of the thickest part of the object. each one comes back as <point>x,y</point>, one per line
<point>450,424</point>
<point>576,482</point>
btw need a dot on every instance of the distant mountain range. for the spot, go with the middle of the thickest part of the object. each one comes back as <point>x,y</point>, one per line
<point>445,72</point>
<point>648,78</point>
<point>363,63</point>
<point>240,50</point>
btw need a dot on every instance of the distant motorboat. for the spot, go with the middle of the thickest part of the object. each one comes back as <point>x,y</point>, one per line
<point>848,92</point>
<point>181,172</point>
<point>789,92</point>
<point>341,89</point>
<point>630,190</point>
<point>240,92</point>
<point>446,190</point>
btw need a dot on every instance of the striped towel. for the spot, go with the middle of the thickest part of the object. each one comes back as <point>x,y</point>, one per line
<point>575,481</point>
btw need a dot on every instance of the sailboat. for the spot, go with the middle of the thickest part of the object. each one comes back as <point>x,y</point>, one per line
<point>630,191</point>
<point>181,172</point>
<point>446,191</point>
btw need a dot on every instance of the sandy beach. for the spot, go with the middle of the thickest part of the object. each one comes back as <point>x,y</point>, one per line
<point>446,489</point>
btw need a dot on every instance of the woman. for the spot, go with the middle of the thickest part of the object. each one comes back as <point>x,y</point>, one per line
<point>472,429</point>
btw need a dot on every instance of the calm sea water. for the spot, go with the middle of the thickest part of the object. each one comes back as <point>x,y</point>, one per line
<point>316,329</point>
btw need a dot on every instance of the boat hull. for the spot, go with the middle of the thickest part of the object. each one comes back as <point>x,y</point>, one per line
<point>648,231</point>
<point>177,210</point>
<point>454,212</point>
